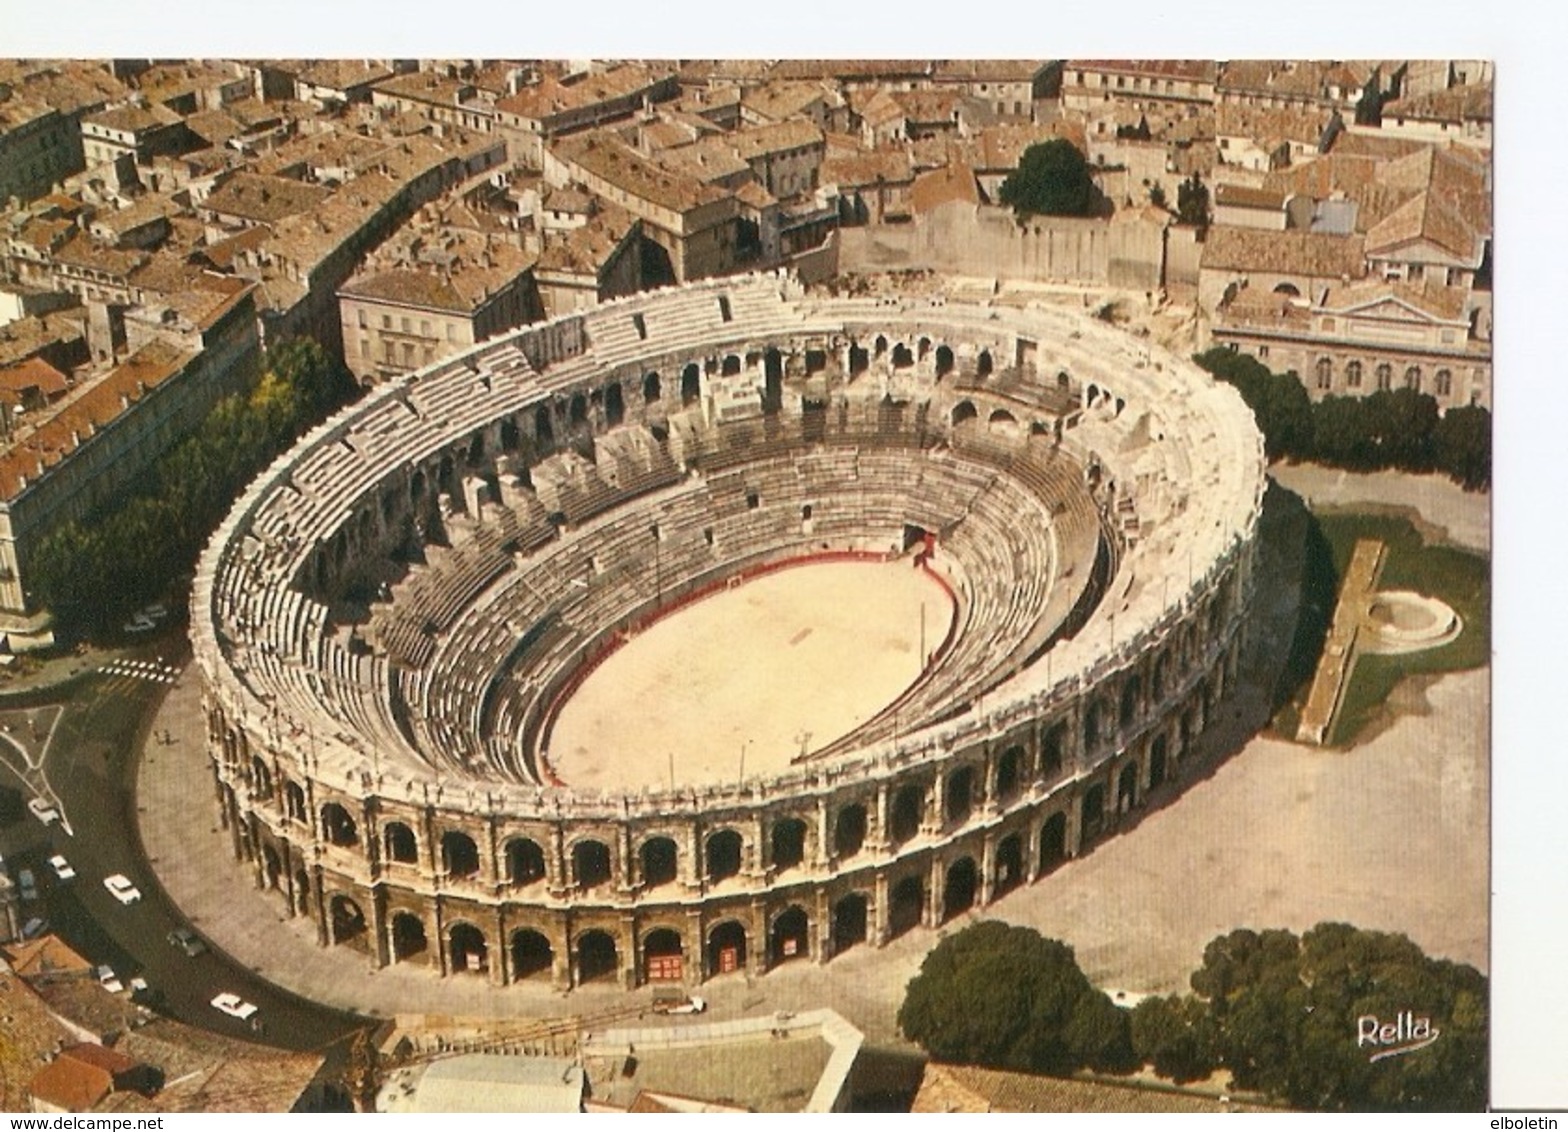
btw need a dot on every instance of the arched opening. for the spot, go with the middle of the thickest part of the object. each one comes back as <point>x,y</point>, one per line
<point>1289,289</point>
<point>532,954</point>
<point>577,410</point>
<point>1385,377</point>
<point>859,360</point>
<point>1353,375</point>
<point>1444,383</point>
<point>348,922</point>
<point>662,961</point>
<point>408,936</point>
<point>544,430</point>
<point>944,361</point>
<point>1053,842</point>
<point>336,825</point>
<point>1091,726</point>
<point>510,437</point>
<point>880,345</point>
<point>1009,863</point>
<point>902,358</point>
<point>651,390</point>
<point>731,365</point>
<point>964,411</point>
<point>1002,421</point>
<point>691,385</point>
<point>1127,788</point>
<point>849,831</point>
<point>476,449</point>
<point>459,855</point>
<point>400,843</point>
<point>1161,670</point>
<point>789,843</point>
<point>958,893</point>
<point>906,906</point>
<point>416,483</point>
<point>983,365</point>
<point>301,892</point>
<point>271,866</point>
<point>726,948</point>
<point>1092,818</point>
<point>590,863</point>
<point>722,855</point>
<point>597,956</point>
<point>660,861</point>
<point>908,809</point>
<point>958,796</point>
<point>1053,749</point>
<point>1129,706</point>
<point>294,801</point>
<point>614,404</point>
<point>922,348</point>
<point>789,937</point>
<point>772,380</point>
<point>524,861</point>
<point>468,950</point>
<point>816,361</point>
<point>1157,762</point>
<point>1325,373</point>
<point>849,922</point>
<point>1413,378</point>
<point>1009,773</point>
<point>260,779</point>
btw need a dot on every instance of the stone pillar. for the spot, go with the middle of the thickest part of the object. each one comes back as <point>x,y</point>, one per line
<point>878,930</point>
<point>877,838</point>
<point>824,856</point>
<point>987,869</point>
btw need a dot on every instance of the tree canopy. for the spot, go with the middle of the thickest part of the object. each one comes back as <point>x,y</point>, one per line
<point>1398,428</point>
<point>1192,202</point>
<point>1052,179</point>
<point>92,573</point>
<point>1009,998</point>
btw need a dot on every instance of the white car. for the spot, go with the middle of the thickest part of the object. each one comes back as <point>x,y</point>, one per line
<point>62,867</point>
<point>25,882</point>
<point>108,980</point>
<point>234,1006</point>
<point>44,810</point>
<point>121,888</point>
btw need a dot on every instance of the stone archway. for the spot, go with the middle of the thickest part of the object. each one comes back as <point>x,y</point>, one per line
<point>598,958</point>
<point>468,949</point>
<point>532,955</point>
<point>726,948</point>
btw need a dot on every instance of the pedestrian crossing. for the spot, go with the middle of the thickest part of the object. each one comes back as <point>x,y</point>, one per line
<point>156,671</point>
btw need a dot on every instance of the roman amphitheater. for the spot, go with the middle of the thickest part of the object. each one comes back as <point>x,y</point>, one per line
<point>720,628</point>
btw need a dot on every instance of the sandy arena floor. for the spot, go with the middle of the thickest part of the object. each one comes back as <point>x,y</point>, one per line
<point>787,661</point>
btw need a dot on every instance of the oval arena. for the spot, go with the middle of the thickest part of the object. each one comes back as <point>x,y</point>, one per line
<point>440,722</point>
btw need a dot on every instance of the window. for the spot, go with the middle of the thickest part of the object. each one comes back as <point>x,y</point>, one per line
<point>1353,375</point>
<point>1445,383</point>
<point>1325,373</point>
<point>1328,324</point>
<point>1413,378</point>
<point>451,332</point>
<point>1385,377</point>
<point>1263,352</point>
<point>364,320</point>
<point>406,325</point>
<point>364,348</point>
<point>424,327</point>
<point>386,322</point>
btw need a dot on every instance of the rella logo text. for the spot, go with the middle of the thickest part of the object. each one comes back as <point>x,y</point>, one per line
<point>1405,1034</point>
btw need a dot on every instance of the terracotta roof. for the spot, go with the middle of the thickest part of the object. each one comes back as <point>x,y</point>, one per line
<point>1426,217</point>
<point>781,100</point>
<point>1447,304</point>
<point>987,70</point>
<point>81,251</point>
<point>1295,253</point>
<point>622,167</point>
<point>587,250</point>
<point>74,1084</point>
<point>32,1033</point>
<point>33,374</point>
<point>342,74</point>
<point>954,182</point>
<point>758,140</point>
<point>77,419</point>
<point>1268,124</point>
<point>550,96</point>
<point>46,956</point>
<point>134,118</point>
<point>867,167</point>
<point>1243,196</point>
<point>1456,104</point>
<point>928,105</point>
<point>1191,70</point>
<point>843,69</point>
<point>205,1072</point>
<point>263,199</point>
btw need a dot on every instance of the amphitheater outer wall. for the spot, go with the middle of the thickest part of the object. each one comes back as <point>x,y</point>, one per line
<point>515,882</point>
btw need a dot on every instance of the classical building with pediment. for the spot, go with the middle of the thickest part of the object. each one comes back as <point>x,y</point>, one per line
<point>1355,338</point>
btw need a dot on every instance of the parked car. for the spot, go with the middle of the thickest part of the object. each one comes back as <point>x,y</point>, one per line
<point>44,810</point>
<point>62,868</point>
<point>121,888</point>
<point>188,941</point>
<point>675,1001</point>
<point>35,927</point>
<point>234,1006</point>
<point>108,980</point>
<point>27,883</point>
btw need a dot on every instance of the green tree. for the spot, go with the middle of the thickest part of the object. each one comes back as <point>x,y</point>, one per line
<point>1175,1035</point>
<point>1009,998</point>
<point>1462,446</point>
<point>1192,202</point>
<point>1052,179</point>
<point>1288,1015</point>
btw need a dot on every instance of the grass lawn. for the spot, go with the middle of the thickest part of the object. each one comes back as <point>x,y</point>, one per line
<point>1458,577</point>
